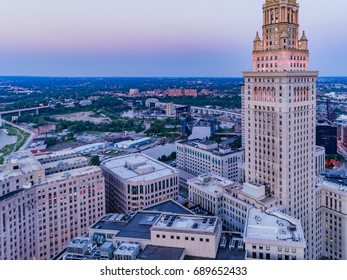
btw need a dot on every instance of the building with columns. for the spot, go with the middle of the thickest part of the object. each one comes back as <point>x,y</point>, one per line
<point>279,103</point>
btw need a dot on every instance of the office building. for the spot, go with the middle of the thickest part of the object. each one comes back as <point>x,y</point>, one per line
<point>279,116</point>
<point>136,181</point>
<point>40,212</point>
<point>196,156</point>
<point>332,205</point>
<point>326,136</point>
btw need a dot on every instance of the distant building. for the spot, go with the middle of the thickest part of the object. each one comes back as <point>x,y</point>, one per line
<point>45,128</point>
<point>85,103</point>
<point>169,109</point>
<point>326,136</point>
<point>181,92</point>
<point>136,181</point>
<point>91,147</point>
<point>134,91</point>
<point>129,144</point>
<point>151,102</point>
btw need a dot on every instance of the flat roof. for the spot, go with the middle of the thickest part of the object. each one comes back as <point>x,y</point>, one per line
<point>118,167</point>
<point>27,164</point>
<point>64,162</point>
<point>138,226</point>
<point>152,252</point>
<point>211,183</point>
<point>89,146</point>
<point>71,173</point>
<point>169,206</point>
<point>56,154</point>
<point>191,223</point>
<point>274,226</point>
<point>336,184</point>
<point>215,151</point>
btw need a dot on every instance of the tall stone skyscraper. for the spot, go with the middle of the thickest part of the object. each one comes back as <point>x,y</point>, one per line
<point>279,104</point>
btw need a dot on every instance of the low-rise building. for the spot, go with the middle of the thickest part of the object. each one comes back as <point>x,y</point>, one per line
<point>272,235</point>
<point>129,144</point>
<point>157,235</point>
<point>227,200</point>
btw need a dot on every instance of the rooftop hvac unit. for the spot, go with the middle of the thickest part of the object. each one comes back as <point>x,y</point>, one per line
<point>106,250</point>
<point>79,246</point>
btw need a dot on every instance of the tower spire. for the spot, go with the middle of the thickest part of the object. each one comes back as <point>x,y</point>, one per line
<point>279,48</point>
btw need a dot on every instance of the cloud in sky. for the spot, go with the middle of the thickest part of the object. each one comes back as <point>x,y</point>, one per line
<point>153,37</point>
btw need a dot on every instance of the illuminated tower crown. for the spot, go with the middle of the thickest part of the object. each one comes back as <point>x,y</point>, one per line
<point>280,48</point>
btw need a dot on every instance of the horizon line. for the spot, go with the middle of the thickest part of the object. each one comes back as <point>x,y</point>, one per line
<point>138,77</point>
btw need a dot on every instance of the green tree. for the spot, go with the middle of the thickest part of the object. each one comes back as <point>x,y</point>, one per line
<point>95,160</point>
<point>51,141</point>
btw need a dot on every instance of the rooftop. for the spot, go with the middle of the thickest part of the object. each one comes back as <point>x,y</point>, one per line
<point>25,160</point>
<point>93,146</point>
<point>140,224</point>
<point>137,226</point>
<point>169,206</point>
<point>184,223</point>
<point>211,183</point>
<point>71,173</point>
<point>215,150</point>
<point>335,184</point>
<point>56,154</point>
<point>58,163</point>
<point>274,226</point>
<point>152,252</point>
<point>137,168</point>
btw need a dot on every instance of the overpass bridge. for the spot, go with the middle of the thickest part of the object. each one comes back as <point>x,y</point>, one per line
<point>203,110</point>
<point>19,111</point>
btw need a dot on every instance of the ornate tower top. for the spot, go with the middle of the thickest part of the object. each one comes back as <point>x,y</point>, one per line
<point>280,38</point>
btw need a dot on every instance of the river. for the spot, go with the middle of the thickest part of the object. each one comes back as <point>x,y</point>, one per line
<point>200,132</point>
<point>167,149</point>
<point>6,139</point>
<point>160,150</point>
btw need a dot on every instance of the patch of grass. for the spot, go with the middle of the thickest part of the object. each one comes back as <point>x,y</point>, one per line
<point>11,148</point>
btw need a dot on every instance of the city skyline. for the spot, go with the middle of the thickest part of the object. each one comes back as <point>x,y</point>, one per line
<point>153,39</point>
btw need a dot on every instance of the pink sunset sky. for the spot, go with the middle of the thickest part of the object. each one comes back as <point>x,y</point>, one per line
<point>154,37</point>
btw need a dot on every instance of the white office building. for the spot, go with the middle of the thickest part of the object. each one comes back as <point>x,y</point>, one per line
<point>136,181</point>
